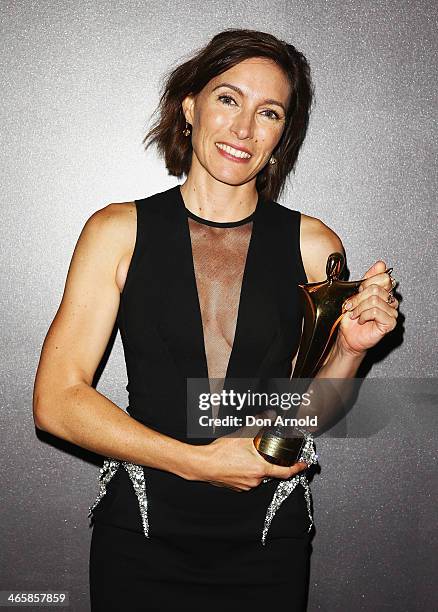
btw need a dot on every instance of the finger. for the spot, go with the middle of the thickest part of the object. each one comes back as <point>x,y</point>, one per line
<point>300,466</point>
<point>378,315</point>
<point>373,303</point>
<point>394,303</point>
<point>372,291</point>
<point>383,279</point>
<point>277,471</point>
<point>377,268</point>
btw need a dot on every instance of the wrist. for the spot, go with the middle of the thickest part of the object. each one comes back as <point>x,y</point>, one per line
<point>194,461</point>
<point>346,354</point>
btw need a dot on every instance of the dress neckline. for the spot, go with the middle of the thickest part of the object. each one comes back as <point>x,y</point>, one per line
<point>195,217</point>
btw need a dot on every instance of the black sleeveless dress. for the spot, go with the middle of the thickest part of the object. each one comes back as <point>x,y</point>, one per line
<point>202,299</point>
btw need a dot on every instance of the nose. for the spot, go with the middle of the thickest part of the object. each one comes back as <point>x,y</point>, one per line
<point>242,125</point>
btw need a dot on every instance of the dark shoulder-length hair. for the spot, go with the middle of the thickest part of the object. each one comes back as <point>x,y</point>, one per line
<point>224,51</point>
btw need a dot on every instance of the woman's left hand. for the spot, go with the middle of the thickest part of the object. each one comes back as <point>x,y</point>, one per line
<point>370,316</point>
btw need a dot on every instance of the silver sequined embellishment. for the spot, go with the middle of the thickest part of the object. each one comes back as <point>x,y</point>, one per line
<point>106,472</point>
<point>285,487</point>
<point>136,475</point>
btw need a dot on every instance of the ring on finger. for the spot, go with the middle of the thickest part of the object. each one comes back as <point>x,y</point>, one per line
<point>390,299</point>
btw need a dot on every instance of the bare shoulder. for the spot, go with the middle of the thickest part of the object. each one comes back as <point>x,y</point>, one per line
<point>82,326</point>
<point>318,241</point>
<point>118,218</point>
<point>116,226</point>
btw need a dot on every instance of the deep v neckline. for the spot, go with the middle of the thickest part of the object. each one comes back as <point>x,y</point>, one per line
<point>243,303</point>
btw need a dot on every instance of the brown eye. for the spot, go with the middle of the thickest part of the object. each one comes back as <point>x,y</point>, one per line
<point>274,115</point>
<point>225,97</point>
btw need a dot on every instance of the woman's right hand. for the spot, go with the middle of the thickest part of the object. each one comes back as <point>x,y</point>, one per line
<point>233,461</point>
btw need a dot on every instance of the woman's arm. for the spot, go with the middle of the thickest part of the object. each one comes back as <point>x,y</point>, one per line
<point>66,405</point>
<point>372,318</point>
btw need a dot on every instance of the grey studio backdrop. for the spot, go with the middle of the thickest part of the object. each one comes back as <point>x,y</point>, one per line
<point>79,82</point>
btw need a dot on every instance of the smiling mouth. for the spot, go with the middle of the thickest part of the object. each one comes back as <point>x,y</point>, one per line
<point>233,152</point>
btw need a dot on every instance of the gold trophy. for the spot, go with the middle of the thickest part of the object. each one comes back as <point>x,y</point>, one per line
<point>322,304</point>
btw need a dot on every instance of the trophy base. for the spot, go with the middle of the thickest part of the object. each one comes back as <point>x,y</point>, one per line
<point>278,449</point>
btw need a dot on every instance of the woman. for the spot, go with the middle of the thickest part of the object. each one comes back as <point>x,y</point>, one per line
<point>202,279</point>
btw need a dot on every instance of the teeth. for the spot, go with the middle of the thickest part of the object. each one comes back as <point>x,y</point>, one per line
<point>232,151</point>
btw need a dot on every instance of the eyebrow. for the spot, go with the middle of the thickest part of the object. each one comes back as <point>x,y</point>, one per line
<point>239,91</point>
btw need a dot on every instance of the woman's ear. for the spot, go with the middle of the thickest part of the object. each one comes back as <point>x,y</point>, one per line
<point>188,108</point>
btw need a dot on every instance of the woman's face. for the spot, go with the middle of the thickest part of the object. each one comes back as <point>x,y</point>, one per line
<point>242,108</point>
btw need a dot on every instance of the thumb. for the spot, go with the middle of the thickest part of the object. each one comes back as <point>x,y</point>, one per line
<point>377,268</point>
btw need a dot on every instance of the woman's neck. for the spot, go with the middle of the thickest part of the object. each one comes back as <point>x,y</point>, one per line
<point>217,201</point>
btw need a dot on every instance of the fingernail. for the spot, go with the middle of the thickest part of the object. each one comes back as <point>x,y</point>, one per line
<point>360,288</point>
<point>348,305</point>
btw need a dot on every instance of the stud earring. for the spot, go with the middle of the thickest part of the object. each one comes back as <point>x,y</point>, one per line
<point>186,131</point>
<point>272,160</point>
